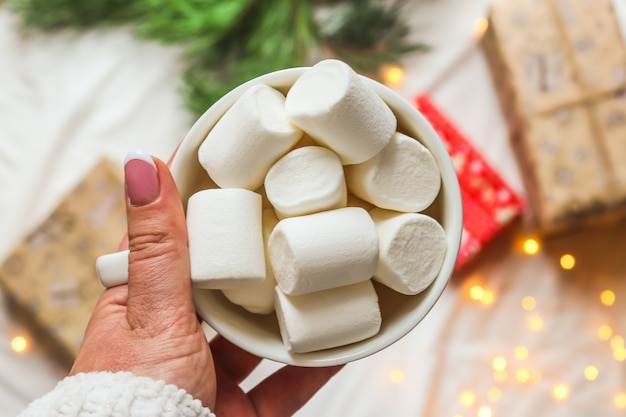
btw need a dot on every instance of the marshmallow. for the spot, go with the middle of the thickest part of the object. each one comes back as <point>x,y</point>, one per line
<point>329,318</point>
<point>258,298</point>
<point>225,238</point>
<point>305,181</point>
<point>404,176</point>
<point>412,248</point>
<point>323,250</point>
<point>248,139</point>
<point>112,268</point>
<point>330,102</point>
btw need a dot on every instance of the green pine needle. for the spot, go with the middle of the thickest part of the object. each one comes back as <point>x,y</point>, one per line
<point>230,42</point>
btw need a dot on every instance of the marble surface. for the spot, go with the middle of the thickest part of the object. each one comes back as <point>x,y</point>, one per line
<point>530,332</point>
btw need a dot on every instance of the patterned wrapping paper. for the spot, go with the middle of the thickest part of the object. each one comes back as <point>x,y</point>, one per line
<point>489,203</point>
<point>560,70</point>
<point>51,276</point>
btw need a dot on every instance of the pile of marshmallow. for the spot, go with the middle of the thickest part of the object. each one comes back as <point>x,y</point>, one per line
<point>319,194</point>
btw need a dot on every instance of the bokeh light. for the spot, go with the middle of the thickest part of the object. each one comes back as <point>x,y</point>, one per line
<point>19,344</point>
<point>591,373</point>
<point>528,303</point>
<point>467,397</point>
<point>567,261</point>
<point>396,376</point>
<point>488,297</point>
<point>476,292</point>
<point>536,323</point>
<point>484,411</point>
<point>619,354</point>
<point>498,363</point>
<point>605,332</point>
<point>560,392</point>
<point>480,26</point>
<point>531,246</point>
<point>619,401</point>
<point>617,341</point>
<point>607,297</point>
<point>500,375</point>
<point>522,375</point>
<point>521,352</point>
<point>393,75</point>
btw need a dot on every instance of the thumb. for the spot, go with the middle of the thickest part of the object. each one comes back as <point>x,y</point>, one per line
<point>158,263</point>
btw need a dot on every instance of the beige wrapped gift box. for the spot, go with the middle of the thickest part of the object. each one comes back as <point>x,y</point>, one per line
<point>50,275</point>
<point>560,70</point>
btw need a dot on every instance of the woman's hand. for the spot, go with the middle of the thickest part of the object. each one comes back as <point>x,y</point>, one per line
<point>149,327</point>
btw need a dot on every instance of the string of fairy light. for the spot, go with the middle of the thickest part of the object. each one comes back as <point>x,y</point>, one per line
<point>501,368</point>
<point>515,366</point>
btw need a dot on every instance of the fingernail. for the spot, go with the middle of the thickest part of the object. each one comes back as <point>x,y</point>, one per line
<point>142,180</point>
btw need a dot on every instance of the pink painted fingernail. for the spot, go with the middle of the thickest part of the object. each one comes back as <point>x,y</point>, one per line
<point>142,180</point>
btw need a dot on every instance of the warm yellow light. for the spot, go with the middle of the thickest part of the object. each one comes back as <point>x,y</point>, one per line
<point>393,75</point>
<point>567,261</point>
<point>500,375</point>
<point>619,354</point>
<point>536,323</point>
<point>522,375</point>
<point>487,297</point>
<point>499,363</point>
<point>467,397</point>
<point>484,411</point>
<point>591,373</point>
<point>531,246</point>
<point>480,26</point>
<point>620,400</point>
<point>521,352</point>
<point>476,292</point>
<point>617,341</point>
<point>19,344</point>
<point>607,297</point>
<point>528,303</point>
<point>494,394</point>
<point>605,332</point>
<point>560,392</point>
<point>396,376</point>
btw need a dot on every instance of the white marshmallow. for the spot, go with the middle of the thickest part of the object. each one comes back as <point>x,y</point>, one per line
<point>404,176</point>
<point>329,318</point>
<point>332,104</point>
<point>258,298</point>
<point>412,248</point>
<point>248,139</point>
<point>225,238</point>
<point>306,180</point>
<point>112,268</point>
<point>323,250</point>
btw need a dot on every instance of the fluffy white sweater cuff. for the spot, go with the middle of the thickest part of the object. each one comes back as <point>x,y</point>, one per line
<point>120,394</point>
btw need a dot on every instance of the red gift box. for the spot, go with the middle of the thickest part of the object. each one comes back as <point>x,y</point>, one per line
<point>489,203</point>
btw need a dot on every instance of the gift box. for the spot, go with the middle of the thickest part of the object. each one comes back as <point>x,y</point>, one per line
<point>50,275</point>
<point>559,68</point>
<point>489,203</point>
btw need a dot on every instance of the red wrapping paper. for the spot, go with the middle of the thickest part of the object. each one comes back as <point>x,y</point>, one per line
<point>489,203</point>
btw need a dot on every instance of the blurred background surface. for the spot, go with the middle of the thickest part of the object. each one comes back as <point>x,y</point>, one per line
<point>530,325</point>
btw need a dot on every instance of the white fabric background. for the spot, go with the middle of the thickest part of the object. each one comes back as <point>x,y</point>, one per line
<point>68,99</point>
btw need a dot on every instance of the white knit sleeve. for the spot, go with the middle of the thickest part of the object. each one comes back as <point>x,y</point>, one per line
<point>120,394</point>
